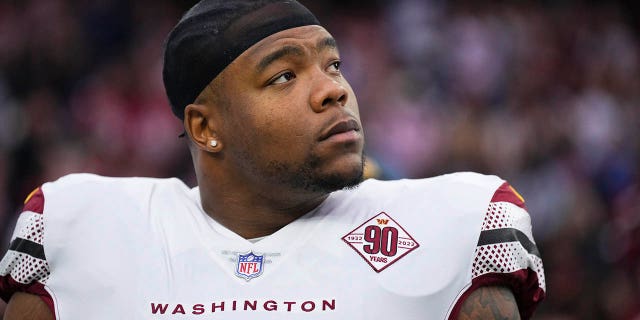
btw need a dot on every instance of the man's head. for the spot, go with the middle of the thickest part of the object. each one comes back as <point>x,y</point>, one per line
<point>262,79</point>
<point>215,32</point>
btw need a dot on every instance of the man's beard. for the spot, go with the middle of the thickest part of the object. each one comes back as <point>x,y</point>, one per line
<point>308,177</point>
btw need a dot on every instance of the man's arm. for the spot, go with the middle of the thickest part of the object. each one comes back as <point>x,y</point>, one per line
<point>24,306</point>
<point>487,303</point>
<point>506,254</point>
<point>24,268</point>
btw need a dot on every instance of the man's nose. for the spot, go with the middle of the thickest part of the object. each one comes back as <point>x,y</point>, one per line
<point>327,91</point>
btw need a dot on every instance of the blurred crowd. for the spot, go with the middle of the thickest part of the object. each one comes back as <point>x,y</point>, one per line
<point>543,94</point>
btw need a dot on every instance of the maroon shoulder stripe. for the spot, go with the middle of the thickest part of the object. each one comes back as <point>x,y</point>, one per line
<point>35,202</point>
<point>506,193</point>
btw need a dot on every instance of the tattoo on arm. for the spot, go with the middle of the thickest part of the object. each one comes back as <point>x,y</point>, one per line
<point>490,303</point>
<point>24,306</point>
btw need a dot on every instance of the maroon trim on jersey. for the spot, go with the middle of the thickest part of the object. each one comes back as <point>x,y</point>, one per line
<point>506,193</point>
<point>35,202</point>
<point>523,283</point>
<point>9,286</point>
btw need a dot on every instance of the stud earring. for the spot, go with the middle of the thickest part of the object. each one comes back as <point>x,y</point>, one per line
<point>213,143</point>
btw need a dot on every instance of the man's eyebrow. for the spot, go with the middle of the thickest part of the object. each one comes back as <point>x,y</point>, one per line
<point>326,43</point>
<point>278,54</point>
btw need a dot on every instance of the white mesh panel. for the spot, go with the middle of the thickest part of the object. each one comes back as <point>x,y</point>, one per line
<point>506,257</point>
<point>24,268</point>
<point>30,226</point>
<point>507,215</point>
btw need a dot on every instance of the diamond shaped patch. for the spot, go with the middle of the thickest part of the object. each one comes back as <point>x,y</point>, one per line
<point>380,241</point>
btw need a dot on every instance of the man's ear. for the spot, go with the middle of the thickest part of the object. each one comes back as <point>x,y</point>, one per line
<point>201,125</point>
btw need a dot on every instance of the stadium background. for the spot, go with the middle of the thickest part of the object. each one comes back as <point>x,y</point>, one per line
<point>542,93</point>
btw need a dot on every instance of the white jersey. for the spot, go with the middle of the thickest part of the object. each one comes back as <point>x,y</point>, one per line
<point>139,248</point>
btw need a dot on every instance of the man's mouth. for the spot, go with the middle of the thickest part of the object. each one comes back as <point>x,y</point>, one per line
<point>343,126</point>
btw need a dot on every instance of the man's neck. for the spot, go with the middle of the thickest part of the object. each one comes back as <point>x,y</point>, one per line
<point>252,216</point>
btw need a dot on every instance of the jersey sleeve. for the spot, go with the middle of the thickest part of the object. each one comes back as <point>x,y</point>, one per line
<point>506,253</point>
<point>24,267</point>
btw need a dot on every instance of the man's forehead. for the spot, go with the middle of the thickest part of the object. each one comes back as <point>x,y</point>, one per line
<point>214,33</point>
<point>313,37</point>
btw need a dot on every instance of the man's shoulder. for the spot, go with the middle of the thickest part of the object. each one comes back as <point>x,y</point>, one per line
<point>459,193</point>
<point>91,178</point>
<point>89,182</point>
<point>85,189</point>
<point>449,183</point>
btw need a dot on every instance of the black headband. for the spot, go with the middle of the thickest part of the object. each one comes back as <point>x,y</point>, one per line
<point>214,33</point>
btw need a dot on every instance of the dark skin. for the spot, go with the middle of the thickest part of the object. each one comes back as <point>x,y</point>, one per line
<point>490,303</point>
<point>24,306</point>
<point>276,157</point>
<point>257,179</point>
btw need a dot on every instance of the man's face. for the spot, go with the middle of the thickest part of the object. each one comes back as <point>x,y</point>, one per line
<point>290,117</point>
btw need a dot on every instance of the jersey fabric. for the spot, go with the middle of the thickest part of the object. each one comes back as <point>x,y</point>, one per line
<point>140,248</point>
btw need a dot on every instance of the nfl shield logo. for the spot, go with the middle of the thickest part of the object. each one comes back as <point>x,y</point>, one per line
<point>249,265</point>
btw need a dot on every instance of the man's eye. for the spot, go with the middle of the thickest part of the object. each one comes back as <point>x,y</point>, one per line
<point>335,66</point>
<point>283,78</point>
